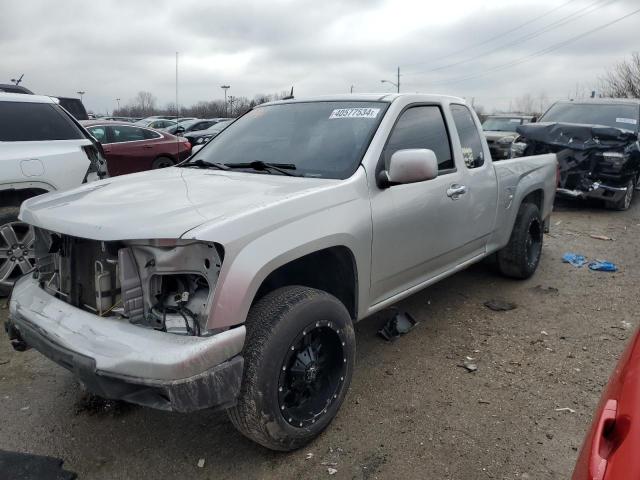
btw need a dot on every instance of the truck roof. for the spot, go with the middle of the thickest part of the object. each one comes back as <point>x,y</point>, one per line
<point>21,97</point>
<point>369,97</point>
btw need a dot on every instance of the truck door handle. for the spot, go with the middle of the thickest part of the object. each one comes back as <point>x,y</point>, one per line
<point>147,146</point>
<point>455,190</point>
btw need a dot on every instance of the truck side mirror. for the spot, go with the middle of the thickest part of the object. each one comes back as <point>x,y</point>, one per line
<point>409,166</point>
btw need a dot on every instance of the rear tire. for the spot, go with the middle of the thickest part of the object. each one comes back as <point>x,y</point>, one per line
<point>162,162</point>
<point>299,356</point>
<point>16,249</point>
<point>521,256</point>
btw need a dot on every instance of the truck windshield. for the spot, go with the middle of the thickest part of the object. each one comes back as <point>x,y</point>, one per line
<point>610,115</point>
<point>320,139</point>
<point>501,124</point>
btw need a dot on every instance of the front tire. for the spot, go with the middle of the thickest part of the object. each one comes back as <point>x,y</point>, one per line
<point>299,355</point>
<point>625,202</point>
<point>521,256</point>
<point>16,249</point>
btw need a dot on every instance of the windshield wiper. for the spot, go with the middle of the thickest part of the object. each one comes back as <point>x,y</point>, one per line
<point>204,164</point>
<point>266,166</point>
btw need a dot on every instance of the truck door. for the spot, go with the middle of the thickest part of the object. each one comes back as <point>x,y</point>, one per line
<point>419,229</point>
<point>478,175</point>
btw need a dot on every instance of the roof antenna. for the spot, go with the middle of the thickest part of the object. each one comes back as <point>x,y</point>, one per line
<point>177,112</point>
<point>290,96</point>
<point>17,81</point>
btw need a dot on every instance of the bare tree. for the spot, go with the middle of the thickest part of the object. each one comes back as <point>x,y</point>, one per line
<point>623,80</point>
<point>145,102</point>
<point>524,103</point>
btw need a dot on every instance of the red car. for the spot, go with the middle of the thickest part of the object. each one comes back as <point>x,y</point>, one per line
<point>130,148</point>
<point>610,450</point>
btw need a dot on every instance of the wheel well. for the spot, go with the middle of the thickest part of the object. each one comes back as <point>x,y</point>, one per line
<point>332,270</point>
<point>536,197</point>
<point>14,197</point>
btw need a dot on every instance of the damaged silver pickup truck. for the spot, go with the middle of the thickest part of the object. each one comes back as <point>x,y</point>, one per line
<point>596,142</point>
<point>233,279</point>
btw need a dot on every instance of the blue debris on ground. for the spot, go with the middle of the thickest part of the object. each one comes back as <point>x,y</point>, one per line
<point>574,259</point>
<point>578,260</point>
<point>603,266</point>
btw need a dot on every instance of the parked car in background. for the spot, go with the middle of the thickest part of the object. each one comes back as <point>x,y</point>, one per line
<point>500,131</point>
<point>243,270</point>
<point>157,123</point>
<point>203,136</point>
<point>131,148</point>
<point>119,119</point>
<point>42,149</point>
<point>193,125</point>
<point>596,142</point>
<point>610,448</point>
<point>72,105</point>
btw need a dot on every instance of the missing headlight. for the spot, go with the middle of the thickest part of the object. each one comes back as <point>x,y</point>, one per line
<point>181,300</point>
<point>169,287</point>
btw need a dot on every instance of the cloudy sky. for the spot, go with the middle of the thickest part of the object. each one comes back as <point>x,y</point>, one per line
<point>492,51</point>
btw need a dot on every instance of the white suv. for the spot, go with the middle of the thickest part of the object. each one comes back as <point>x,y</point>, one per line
<point>42,149</point>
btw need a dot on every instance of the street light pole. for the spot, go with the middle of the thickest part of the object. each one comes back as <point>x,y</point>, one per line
<point>225,88</point>
<point>81,93</point>
<point>232,99</point>
<point>396,83</point>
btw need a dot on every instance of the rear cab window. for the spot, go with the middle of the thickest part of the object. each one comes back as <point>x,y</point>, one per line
<point>422,127</point>
<point>35,122</point>
<point>470,140</point>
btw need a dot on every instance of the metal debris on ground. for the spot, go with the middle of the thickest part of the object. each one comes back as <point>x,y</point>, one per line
<point>470,365</point>
<point>331,471</point>
<point>603,266</point>
<point>399,324</point>
<point>574,259</point>
<point>546,290</point>
<point>565,409</point>
<point>499,305</point>
<point>600,237</point>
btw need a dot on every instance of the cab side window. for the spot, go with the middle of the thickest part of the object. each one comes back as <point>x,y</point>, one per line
<point>421,127</point>
<point>469,137</point>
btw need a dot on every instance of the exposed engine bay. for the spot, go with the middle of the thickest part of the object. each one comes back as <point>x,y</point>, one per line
<point>590,157</point>
<point>166,285</point>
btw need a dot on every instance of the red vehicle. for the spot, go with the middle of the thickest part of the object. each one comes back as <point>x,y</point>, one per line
<point>610,450</point>
<point>130,148</point>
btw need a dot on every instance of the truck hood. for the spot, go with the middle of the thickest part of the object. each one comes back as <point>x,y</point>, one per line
<point>164,203</point>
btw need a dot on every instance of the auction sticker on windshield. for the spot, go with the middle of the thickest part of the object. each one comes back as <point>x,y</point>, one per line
<point>354,113</point>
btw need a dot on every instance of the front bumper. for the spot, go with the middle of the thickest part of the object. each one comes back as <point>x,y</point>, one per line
<point>596,191</point>
<point>119,360</point>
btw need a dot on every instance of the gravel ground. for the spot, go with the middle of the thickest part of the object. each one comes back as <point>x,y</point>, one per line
<point>413,411</point>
